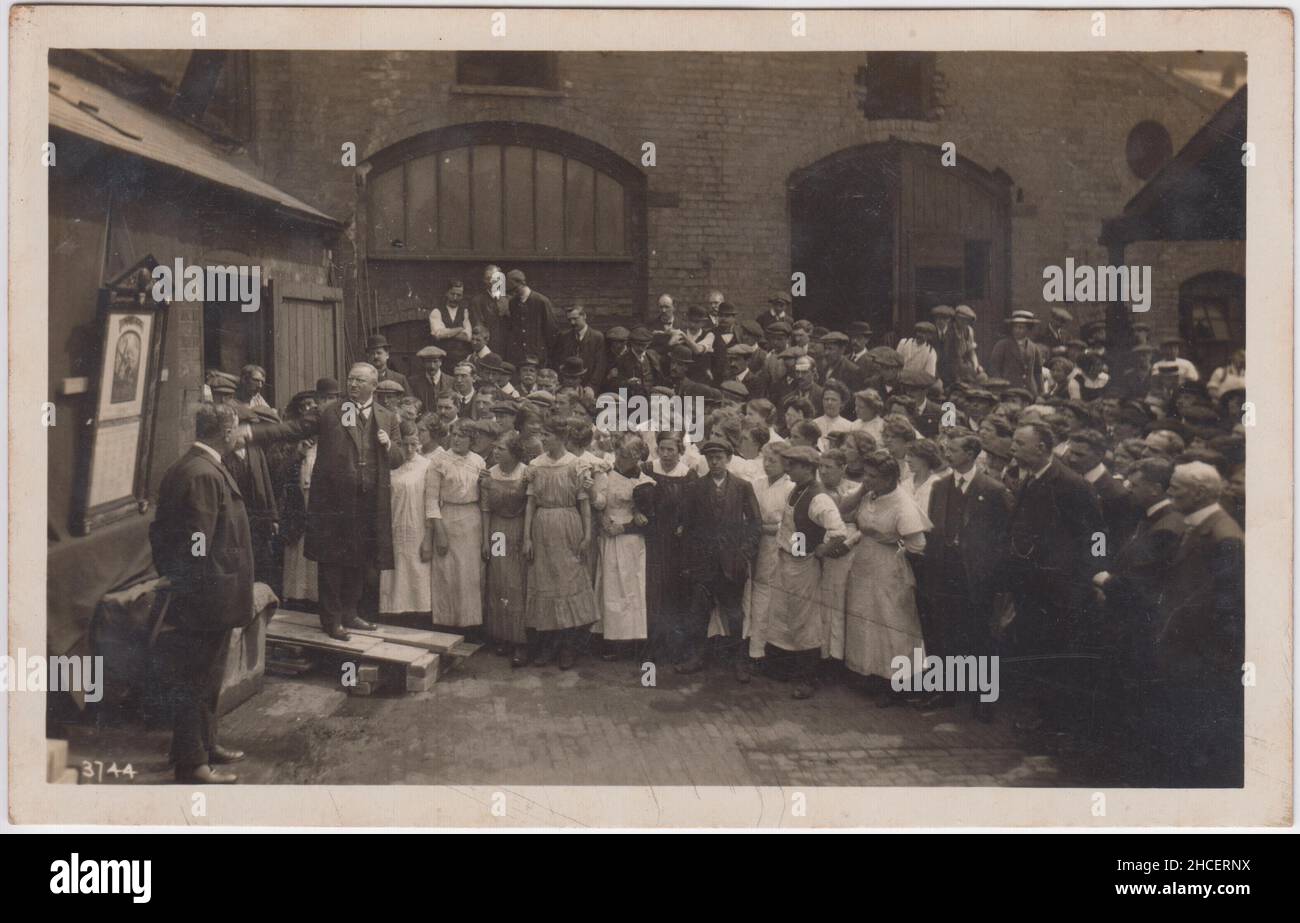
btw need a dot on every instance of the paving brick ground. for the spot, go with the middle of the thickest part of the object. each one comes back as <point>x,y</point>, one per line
<point>596,724</point>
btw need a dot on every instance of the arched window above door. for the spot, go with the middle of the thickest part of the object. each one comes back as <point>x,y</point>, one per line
<point>503,191</point>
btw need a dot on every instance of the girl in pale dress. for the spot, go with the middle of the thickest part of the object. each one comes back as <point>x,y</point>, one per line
<point>771,490</point>
<point>926,465</point>
<point>881,619</point>
<point>624,501</point>
<point>833,397</point>
<point>503,495</point>
<point>405,588</point>
<point>868,407</point>
<point>557,540</point>
<point>454,532</point>
<point>835,571</point>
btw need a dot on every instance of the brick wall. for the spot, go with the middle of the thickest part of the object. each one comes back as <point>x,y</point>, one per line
<point>729,130</point>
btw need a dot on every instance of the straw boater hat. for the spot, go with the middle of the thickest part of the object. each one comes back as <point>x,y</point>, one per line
<point>1021,317</point>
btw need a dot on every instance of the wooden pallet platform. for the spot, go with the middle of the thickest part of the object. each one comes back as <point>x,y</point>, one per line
<point>388,658</point>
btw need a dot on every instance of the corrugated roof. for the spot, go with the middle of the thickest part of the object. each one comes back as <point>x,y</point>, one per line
<point>93,112</point>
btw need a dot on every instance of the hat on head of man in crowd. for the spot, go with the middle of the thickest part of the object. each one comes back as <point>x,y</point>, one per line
<point>640,335</point>
<point>1063,315</point>
<point>924,326</point>
<point>225,383</point>
<point>780,326</point>
<point>505,406</point>
<point>508,368</point>
<point>752,328</point>
<point>791,352</point>
<point>431,352</point>
<point>965,311</point>
<point>266,414</point>
<point>915,378</point>
<point>781,298</point>
<point>681,353</point>
<point>715,444</point>
<point>492,362</point>
<point>573,367</point>
<point>835,336</point>
<point>996,385</point>
<point>327,387</point>
<point>1020,393</point>
<point>942,312</point>
<point>801,454</point>
<point>389,386</point>
<point>741,349</point>
<point>885,357</point>
<point>1092,330</point>
<point>980,395</point>
<point>377,341</point>
<point>1021,317</point>
<point>735,389</point>
<point>517,276</point>
<point>819,333</point>
<point>695,312</point>
<point>727,309</point>
<point>859,328</point>
<point>617,334</point>
<point>541,398</point>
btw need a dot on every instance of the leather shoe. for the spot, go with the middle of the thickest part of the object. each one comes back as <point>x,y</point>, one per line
<point>221,755</point>
<point>692,665</point>
<point>520,659</point>
<point>336,632</point>
<point>357,623</point>
<point>205,775</point>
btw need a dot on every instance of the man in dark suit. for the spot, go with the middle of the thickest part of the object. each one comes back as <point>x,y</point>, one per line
<point>431,382</point>
<point>1200,643</point>
<point>584,342</point>
<point>947,345</point>
<point>1016,358</point>
<point>739,359</point>
<point>964,562</point>
<point>1131,588</point>
<point>1085,455</point>
<point>836,365</point>
<point>200,541</point>
<point>252,474</point>
<point>1051,565</point>
<point>349,518</point>
<point>778,311</point>
<point>377,350</point>
<point>720,528</point>
<point>638,369</point>
<point>725,336</point>
<point>490,303</point>
<point>533,326</point>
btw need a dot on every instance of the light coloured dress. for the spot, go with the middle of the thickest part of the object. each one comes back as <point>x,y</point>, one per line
<point>300,571</point>
<point>560,594</point>
<point>405,588</point>
<point>451,494</point>
<point>835,581</point>
<point>771,498</point>
<point>921,492</point>
<point>620,582</point>
<point>796,618</point>
<point>881,619</point>
<point>504,496</point>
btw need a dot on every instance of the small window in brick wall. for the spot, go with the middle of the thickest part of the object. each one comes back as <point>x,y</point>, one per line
<point>536,69</point>
<point>898,85</point>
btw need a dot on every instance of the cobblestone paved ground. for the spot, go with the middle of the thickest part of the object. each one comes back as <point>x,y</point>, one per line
<point>597,724</point>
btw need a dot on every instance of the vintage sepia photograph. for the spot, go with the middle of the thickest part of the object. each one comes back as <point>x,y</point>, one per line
<point>516,416</point>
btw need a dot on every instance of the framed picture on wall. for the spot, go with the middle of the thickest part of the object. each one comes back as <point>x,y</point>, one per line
<point>113,479</point>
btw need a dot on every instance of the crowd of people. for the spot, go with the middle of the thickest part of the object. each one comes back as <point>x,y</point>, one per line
<point>845,505</point>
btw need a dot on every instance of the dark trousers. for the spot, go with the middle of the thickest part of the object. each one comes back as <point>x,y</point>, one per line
<point>196,662</point>
<point>340,587</point>
<point>728,595</point>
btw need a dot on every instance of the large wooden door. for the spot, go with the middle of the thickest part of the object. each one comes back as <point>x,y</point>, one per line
<point>308,333</point>
<point>953,241</point>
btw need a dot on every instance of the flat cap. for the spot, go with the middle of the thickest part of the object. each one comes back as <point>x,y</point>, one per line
<point>884,356</point>
<point>224,381</point>
<point>617,334</point>
<point>1020,393</point>
<point>925,326</point>
<point>1063,315</point>
<point>735,388</point>
<point>779,327</point>
<point>835,337</point>
<point>681,353</point>
<point>966,311</point>
<point>915,378</point>
<point>639,335</point>
<point>742,349</point>
<point>942,311</point>
<point>431,352</point>
<point>530,362</point>
<point>804,454</point>
<point>541,398</point>
<point>388,386</point>
<point>715,445</point>
<point>790,352</point>
<point>517,276</point>
<point>752,328</point>
<point>780,297</point>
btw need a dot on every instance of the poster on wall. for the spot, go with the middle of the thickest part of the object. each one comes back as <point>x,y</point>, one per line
<point>115,475</point>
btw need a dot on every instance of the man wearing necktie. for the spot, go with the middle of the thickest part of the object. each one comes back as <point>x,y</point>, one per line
<point>964,562</point>
<point>349,519</point>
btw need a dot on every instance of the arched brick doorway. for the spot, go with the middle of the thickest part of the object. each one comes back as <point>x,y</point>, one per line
<point>441,205</point>
<point>884,232</point>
